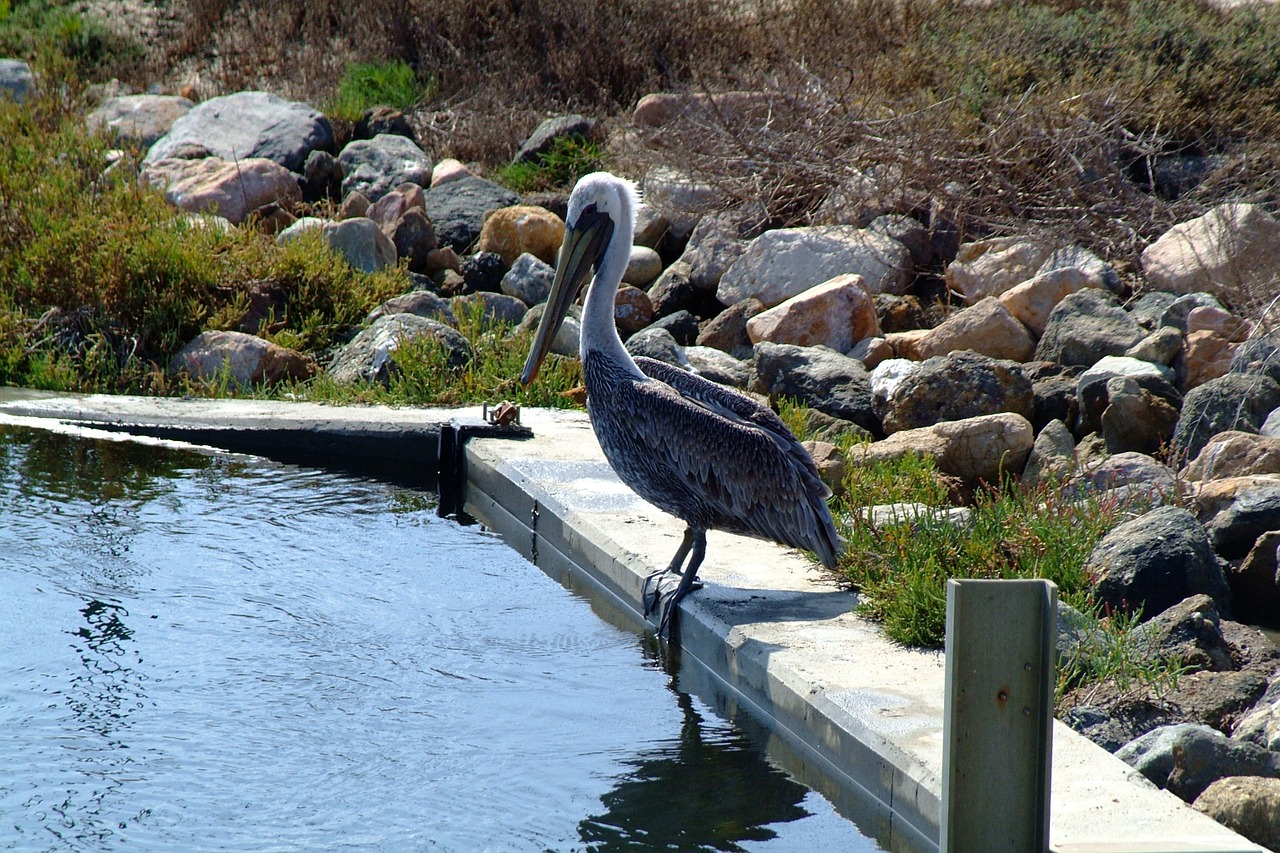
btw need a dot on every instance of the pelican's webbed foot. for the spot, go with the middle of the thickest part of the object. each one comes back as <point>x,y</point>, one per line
<point>663,590</point>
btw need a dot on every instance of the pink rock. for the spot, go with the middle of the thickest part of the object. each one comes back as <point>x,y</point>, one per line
<point>1032,300</point>
<point>872,351</point>
<point>975,449</point>
<point>232,190</point>
<point>1234,247</point>
<point>907,344</point>
<point>986,327</point>
<point>448,170</point>
<point>660,108</point>
<point>388,209</point>
<point>1206,355</point>
<point>244,359</point>
<point>835,314</point>
<point>1219,321</point>
<point>990,267</point>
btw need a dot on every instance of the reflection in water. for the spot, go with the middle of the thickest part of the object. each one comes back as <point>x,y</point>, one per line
<point>199,653</point>
<point>708,790</point>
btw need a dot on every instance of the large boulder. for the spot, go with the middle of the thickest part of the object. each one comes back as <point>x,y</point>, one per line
<point>1186,758</point>
<point>991,267</point>
<point>818,377</point>
<point>375,167</point>
<point>977,450</point>
<point>1233,248</point>
<point>1033,300</point>
<point>1085,326</point>
<point>836,314</point>
<point>370,356</point>
<point>1236,401</point>
<point>985,327</point>
<point>458,208</point>
<point>230,189</point>
<point>781,263</point>
<point>954,387</point>
<point>1237,510</point>
<point>245,125</point>
<point>139,120</point>
<point>716,242</point>
<point>243,360</point>
<point>528,280</point>
<point>1235,454</point>
<point>1155,561</point>
<point>1249,805</point>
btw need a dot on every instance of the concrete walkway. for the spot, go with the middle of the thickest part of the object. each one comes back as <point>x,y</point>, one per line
<point>770,630</point>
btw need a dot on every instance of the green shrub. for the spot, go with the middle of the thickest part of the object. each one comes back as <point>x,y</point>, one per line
<point>371,84</point>
<point>569,159</point>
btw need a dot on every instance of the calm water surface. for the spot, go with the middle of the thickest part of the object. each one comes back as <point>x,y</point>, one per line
<point>214,652</point>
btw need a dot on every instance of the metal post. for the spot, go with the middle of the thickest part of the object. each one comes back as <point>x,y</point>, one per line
<point>998,721</point>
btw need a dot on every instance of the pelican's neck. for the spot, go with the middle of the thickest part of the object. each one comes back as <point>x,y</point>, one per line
<point>599,331</point>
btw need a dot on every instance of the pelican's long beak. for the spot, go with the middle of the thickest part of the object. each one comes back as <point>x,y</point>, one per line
<point>584,243</point>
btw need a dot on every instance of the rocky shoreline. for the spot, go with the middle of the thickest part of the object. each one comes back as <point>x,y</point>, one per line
<point>1047,366</point>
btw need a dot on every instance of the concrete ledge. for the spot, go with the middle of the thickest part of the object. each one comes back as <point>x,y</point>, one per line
<point>769,631</point>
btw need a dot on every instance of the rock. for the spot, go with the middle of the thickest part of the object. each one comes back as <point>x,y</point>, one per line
<point>1235,401</point>
<point>394,204</point>
<point>830,463</point>
<point>820,378</point>
<point>361,243</point>
<point>1033,300</point>
<point>1255,586</point>
<point>834,314</point>
<point>1155,561</point>
<point>1220,321</point>
<point>990,267</point>
<point>728,331</point>
<point>1055,399</point>
<point>716,243</point>
<point>232,190</point>
<point>1085,326</point>
<point>1261,725</point>
<point>1248,805</point>
<point>1258,357</point>
<point>543,138</point>
<point>494,307</point>
<point>1135,419</point>
<point>1186,758</point>
<point>651,226</point>
<point>955,387</point>
<point>681,199</point>
<point>370,356</point>
<point>414,239</point>
<point>483,271</point>
<point>16,79</point>
<point>871,351</point>
<point>248,125</point>
<point>528,280</point>
<point>374,167</point>
<point>1205,355</point>
<point>381,119</point>
<point>513,231</point>
<point>632,311</point>
<point>355,204</point>
<point>458,208</point>
<point>1234,248</point>
<point>139,120</point>
<point>1178,312</point>
<point>657,344</point>
<point>683,326</point>
<point>781,263</point>
<point>661,108</point>
<point>1238,510</point>
<point>423,303</point>
<point>977,450</point>
<point>912,234</point>
<point>1118,723</point>
<point>899,313</point>
<point>718,366</point>
<point>1111,366</point>
<point>1128,475</point>
<point>448,170</point>
<point>643,266</point>
<point>1053,457</point>
<point>245,360</point>
<point>322,178</point>
<point>672,291</point>
<point>1235,454</point>
<point>1189,634</point>
<point>1160,347</point>
<point>566,340</point>
<point>985,327</point>
<point>1080,258</point>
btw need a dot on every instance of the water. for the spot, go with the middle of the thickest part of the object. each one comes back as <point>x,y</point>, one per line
<point>204,652</point>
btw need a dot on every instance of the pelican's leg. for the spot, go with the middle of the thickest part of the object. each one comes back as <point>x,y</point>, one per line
<point>650,599</point>
<point>687,581</point>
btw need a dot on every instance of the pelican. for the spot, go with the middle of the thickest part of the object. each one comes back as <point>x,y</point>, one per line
<point>712,457</point>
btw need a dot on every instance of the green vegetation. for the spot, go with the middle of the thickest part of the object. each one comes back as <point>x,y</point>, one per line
<point>371,84</point>
<point>1114,652</point>
<point>63,38</point>
<point>559,168</point>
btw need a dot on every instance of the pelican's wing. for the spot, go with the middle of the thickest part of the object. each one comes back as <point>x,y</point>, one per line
<point>739,455</point>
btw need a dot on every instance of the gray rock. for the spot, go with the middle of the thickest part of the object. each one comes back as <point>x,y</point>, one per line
<point>370,356</point>
<point>543,138</point>
<point>1135,419</point>
<point>718,366</point>
<point>249,124</point>
<point>1155,561</point>
<point>823,379</point>
<point>484,271</point>
<point>1053,456</point>
<point>528,280</point>
<point>716,242</point>
<point>643,267</point>
<point>1237,401</point>
<point>1055,399</point>
<point>321,177</point>
<point>1255,585</point>
<point>1078,257</point>
<point>1189,633</point>
<point>139,119</point>
<point>414,238</point>
<point>1125,475</point>
<point>1186,758</point>
<point>361,243</point>
<point>566,340</point>
<point>497,307</point>
<point>375,167</point>
<point>457,209</point>
<point>1114,726</point>
<point>1261,725</point>
<point>954,387</point>
<point>383,119</point>
<point>16,79</point>
<point>1085,326</point>
<point>912,234</point>
<point>782,263</point>
<point>674,292</point>
<point>657,344</point>
<point>1160,347</point>
<point>728,331</point>
<point>1249,805</point>
<point>1235,524</point>
<point>1258,356</point>
<point>1148,308</point>
<point>423,303</point>
<point>683,326</point>
<point>1175,314</point>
